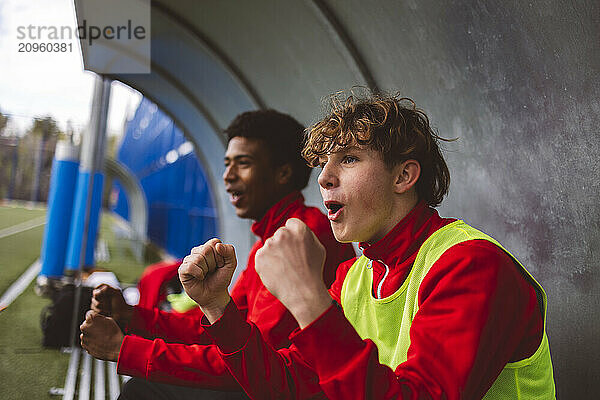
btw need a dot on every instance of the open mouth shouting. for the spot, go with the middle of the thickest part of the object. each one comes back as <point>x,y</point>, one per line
<point>235,196</point>
<point>334,209</point>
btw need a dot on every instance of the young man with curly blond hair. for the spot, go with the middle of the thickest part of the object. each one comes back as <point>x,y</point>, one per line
<point>432,309</point>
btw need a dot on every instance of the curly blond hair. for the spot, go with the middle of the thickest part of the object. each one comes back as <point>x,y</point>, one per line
<point>389,124</point>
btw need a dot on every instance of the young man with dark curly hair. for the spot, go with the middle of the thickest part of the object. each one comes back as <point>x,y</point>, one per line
<point>264,173</point>
<point>433,308</point>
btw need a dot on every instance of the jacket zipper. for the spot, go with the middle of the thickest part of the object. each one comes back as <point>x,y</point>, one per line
<point>387,271</point>
<point>380,285</point>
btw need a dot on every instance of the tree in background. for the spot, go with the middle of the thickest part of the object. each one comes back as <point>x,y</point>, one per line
<point>35,151</point>
<point>8,155</point>
<point>3,122</point>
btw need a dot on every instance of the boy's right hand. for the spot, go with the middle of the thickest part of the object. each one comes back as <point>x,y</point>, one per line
<point>108,301</point>
<point>205,275</point>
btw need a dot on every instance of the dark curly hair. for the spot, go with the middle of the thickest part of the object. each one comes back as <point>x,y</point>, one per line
<point>391,125</point>
<point>282,135</point>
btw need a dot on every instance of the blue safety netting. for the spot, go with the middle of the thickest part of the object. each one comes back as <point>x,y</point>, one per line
<point>180,203</point>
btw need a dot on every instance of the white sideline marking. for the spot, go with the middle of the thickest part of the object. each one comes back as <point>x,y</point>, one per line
<point>20,284</point>
<point>23,226</point>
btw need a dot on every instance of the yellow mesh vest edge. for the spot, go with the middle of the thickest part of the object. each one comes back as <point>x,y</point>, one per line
<point>377,319</point>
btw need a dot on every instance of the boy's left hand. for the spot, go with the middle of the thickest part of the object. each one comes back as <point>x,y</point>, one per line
<point>290,265</point>
<point>101,336</point>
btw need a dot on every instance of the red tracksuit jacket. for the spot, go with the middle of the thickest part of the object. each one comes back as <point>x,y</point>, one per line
<point>476,313</point>
<point>172,348</point>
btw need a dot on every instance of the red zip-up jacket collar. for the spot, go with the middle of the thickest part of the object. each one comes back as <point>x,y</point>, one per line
<point>277,215</point>
<point>399,247</point>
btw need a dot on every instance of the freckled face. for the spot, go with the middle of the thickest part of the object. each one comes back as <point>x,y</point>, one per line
<point>358,191</point>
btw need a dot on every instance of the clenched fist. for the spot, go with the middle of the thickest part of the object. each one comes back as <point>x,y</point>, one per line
<point>108,301</point>
<point>290,265</point>
<point>205,275</point>
<point>101,336</point>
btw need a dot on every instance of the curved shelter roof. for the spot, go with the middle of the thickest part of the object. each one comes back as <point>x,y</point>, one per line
<point>517,83</point>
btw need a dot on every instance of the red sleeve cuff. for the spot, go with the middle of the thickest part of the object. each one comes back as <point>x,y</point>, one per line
<point>141,318</point>
<point>134,356</point>
<point>329,342</point>
<point>230,332</point>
